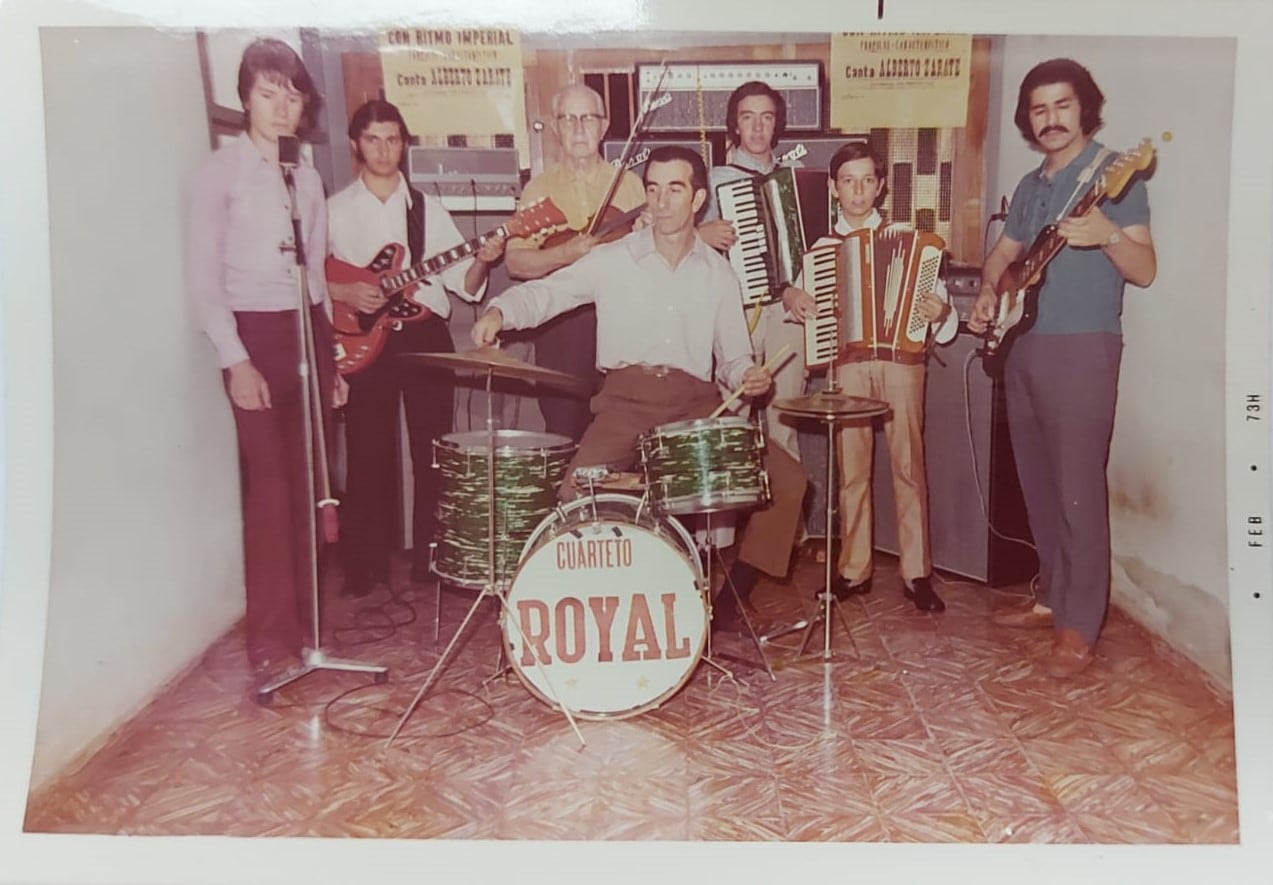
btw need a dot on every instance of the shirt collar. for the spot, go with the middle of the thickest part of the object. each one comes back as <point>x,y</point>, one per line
<point>747,161</point>
<point>246,152</point>
<point>400,191</point>
<point>641,245</point>
<point>873,221</point>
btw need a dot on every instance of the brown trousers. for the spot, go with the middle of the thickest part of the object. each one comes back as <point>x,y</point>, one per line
<point>636,399</point>
<point>276,498</point>
<point>902,387</point>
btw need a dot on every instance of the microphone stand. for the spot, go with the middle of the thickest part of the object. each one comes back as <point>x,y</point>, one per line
<point>313,657</point>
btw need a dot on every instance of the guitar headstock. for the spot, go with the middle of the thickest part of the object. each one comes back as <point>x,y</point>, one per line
<point>1128,163</point>
<point>536,217</point>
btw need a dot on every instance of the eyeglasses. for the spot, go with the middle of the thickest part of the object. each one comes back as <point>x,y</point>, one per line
<point>573,120</point>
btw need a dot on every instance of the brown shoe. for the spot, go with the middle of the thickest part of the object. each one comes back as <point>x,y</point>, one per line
<point>1023,618</point>
<point>1070,655</point>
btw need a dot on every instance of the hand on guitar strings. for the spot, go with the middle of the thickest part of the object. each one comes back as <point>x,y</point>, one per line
<point>362,297</point>
<point>491,249</point>
<point>983,310</point>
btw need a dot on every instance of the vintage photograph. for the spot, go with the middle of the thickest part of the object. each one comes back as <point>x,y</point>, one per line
<point>469,432</point>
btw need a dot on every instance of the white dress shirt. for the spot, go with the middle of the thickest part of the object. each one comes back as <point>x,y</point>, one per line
<point>648,312</point>
<point>360,224</point>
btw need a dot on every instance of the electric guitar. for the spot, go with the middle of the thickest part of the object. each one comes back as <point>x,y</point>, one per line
<point>361,337</point>
<point>1018,286</point>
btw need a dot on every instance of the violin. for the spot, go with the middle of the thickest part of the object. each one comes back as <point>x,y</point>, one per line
<point>613,225</point>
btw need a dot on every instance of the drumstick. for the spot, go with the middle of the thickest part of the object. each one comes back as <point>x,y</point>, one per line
<point>734,397</point>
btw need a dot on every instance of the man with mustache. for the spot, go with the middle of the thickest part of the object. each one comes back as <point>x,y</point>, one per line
<point>1061,376</point>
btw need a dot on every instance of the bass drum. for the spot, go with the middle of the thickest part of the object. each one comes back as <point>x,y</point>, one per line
<point>605,614</point>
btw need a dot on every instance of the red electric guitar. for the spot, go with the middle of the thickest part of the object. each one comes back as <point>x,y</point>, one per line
<point>1018,287</point>
<point>360,337</point>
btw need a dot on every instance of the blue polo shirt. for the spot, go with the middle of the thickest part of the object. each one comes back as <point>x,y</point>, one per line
<point>1082,290</point>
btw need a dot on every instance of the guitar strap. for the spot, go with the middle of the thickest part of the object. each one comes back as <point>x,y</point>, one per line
<point>415,226</point>
<point>1084,177</point>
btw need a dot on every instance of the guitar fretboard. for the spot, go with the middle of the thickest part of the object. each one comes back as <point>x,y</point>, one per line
<point>428,267</point>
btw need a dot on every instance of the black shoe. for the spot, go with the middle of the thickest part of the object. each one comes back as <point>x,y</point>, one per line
<point>842,589</point>
<point>920,592</point>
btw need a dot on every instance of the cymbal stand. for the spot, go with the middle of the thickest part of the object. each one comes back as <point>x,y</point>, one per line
<point>827,602</point>
<point>313,656</point>
<point>492,587</point>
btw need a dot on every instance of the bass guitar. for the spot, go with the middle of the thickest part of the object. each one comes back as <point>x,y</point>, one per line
<point>361,337</point>
<point>1018,286</point>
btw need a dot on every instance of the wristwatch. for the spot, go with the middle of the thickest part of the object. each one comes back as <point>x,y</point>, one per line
<point>1116,236</point>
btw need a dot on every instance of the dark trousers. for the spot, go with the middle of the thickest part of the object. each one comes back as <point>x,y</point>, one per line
<point>568,343</point>
<point>278,563</point>
<point>1061,392</point>
<point>373,476</point>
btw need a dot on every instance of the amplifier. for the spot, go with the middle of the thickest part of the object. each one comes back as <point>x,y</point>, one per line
<point>798,82</point>
<point>467,179</point>
<point>816,152</point>
<point>612,150</point>
<point>963,284</point>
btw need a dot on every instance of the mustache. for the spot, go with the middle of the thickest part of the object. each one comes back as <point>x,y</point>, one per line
<point>1050,129</point>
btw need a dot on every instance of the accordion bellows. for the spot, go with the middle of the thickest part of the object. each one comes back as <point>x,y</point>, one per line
<point>866,288</point>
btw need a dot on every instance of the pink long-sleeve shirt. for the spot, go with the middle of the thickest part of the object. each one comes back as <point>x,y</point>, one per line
<point>238,216</point>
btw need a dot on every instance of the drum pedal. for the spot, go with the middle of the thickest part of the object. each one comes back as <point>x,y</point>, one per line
<point>783,630</point>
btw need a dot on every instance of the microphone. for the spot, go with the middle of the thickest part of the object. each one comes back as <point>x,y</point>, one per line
<point>289,151</point>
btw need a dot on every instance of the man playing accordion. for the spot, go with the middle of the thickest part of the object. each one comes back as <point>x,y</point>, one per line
<point>868,366</point>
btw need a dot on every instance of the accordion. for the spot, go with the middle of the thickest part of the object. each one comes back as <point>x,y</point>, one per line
<point>866,287</point>
<point>765,211</point>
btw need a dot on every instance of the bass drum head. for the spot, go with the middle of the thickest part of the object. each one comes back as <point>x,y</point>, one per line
<point>605,617</point>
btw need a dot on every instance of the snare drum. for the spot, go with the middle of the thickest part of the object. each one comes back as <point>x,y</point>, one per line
<point>704,465</point>
<point>529,468</point>
<point>605,614</point>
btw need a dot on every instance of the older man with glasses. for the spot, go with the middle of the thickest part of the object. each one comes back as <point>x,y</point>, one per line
<point>577,184</point>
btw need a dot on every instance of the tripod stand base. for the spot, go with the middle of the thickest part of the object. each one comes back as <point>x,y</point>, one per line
<point>313,660</point>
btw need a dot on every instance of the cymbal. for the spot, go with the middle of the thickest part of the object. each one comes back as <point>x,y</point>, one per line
<point>498,363</point>
<point>828,404</point>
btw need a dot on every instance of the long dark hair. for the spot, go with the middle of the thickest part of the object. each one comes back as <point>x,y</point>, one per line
<point>377,110</point>
<point>1061,70</point>
<point>280,64</point>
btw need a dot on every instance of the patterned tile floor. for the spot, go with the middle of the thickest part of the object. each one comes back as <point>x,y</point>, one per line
<point>941,729</point>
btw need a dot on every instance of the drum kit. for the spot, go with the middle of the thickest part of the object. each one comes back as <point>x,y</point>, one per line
<point>604,601</point>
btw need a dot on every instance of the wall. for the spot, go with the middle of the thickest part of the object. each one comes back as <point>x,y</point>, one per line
<point>1166,470</point>
<point>146,566</point>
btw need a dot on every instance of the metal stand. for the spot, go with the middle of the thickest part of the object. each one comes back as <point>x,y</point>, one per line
<point>493,586</point>
<point>832,411</point>
<point>312,658</point>
<point>712,552</point>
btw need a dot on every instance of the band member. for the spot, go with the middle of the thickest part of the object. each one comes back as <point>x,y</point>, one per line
<point>376,209</point>
<point>755,120</point>
<point>857,179</point>
<point>1061,376</point>
<point>577,185</point>
<point>242,278</point>
<point>667,306</point>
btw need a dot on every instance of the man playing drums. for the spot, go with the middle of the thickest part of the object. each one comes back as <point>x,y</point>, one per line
<point>667,305</point>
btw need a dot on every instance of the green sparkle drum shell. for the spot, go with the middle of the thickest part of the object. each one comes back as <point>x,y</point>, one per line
<point>704,465</point>
<point>529,469</point>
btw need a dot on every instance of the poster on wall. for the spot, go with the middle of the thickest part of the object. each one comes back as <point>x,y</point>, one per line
<point>899,80</point>
<point>457,81</point>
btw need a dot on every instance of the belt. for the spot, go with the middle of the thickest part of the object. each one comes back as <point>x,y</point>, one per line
<point>653,371</point>
<point>860,353</point>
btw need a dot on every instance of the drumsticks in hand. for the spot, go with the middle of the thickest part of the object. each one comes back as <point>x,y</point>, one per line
<point>734,397</point>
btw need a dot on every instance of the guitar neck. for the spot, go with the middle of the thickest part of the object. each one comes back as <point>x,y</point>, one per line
<point>1049,242</point>
<point>441,261</point>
